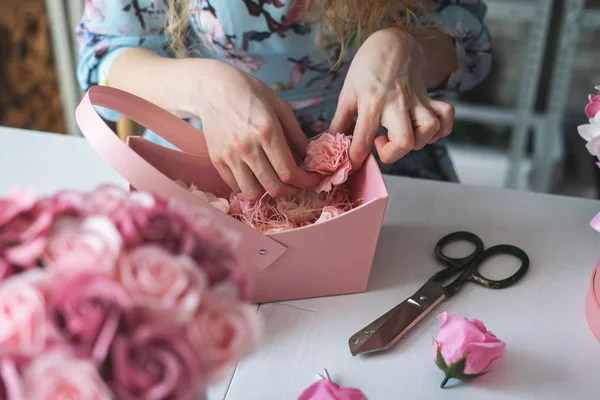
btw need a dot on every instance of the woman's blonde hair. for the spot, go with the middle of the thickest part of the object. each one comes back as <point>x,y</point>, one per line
<point>349,20</point>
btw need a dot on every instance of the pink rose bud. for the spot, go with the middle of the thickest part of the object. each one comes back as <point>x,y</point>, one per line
<point>23,328</point>
<point>223,331</point>
<point>92,245</point>
<point>329,155</point>
<point>163,282</point>
<point>325,389</point>
<point>57,376</point>
<point>464,348</point>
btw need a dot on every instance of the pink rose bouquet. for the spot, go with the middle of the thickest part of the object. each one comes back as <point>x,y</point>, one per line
<point>115,295</point>
<point>464,349</point>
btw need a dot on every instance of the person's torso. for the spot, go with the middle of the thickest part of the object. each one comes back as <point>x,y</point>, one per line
<point>275,40</point>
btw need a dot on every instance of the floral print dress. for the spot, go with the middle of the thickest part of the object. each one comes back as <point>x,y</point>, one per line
<point>267,39</point>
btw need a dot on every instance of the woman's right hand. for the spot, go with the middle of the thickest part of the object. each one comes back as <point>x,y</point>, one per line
<point>247,127</point>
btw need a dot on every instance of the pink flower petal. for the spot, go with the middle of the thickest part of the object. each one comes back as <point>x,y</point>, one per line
<point>592,109</point>
<point>325,389</point>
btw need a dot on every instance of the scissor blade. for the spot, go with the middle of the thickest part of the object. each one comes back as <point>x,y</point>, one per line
<point>386,330</point>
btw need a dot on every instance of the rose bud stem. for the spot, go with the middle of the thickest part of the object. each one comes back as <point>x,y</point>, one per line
<point>445,381</point>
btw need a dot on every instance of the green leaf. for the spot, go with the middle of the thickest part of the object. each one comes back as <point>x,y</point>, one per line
<point>439,359</point>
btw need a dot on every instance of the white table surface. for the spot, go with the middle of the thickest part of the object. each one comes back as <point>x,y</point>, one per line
<point>551,352</point>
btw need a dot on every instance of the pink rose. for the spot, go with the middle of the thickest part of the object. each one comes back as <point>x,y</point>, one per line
<point>23,239</point>
<point>87,311</point>
<point>155,361</point>
<point>329,155</point>
<point>23,328</point>
<point>212,247</point>
<point>223,331</point>
<point>114,202</point>
<point>57,376</point>
<point>92,245</point>
<point>593,108</point>
<point>17,201</point>
<point>464,348</point>
<point>161,281</point>
<point>325,389</point>
<point>329,213</point>
<point>162,227</point>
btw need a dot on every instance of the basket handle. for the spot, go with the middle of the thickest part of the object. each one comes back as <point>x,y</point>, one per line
<point>255,248</point>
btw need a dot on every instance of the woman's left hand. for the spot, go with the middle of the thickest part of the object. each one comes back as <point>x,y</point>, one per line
<point>385,87</point>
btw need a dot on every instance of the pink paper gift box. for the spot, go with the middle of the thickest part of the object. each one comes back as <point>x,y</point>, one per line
<point>329,258</point>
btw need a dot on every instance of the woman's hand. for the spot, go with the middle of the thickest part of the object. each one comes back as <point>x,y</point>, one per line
<point>247,128</point>
<point>386,86</point>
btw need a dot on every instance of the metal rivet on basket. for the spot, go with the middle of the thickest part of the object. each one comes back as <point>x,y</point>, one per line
<point>262,252</point>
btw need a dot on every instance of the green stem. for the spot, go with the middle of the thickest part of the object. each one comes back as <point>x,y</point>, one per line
<point>446,379</point>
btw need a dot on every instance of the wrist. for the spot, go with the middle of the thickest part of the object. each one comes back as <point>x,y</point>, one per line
<point>194,77</point>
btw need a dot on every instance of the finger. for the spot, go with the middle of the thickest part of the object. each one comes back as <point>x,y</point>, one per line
<point>400,138</point>
<point>226,174</point>
<point>367,126</point>
<point>445,113</point>
<point>267,177</point>
<point>425,124</point>
<point>284,165</point>
<point>346,110</point>
<point>291,129</point>
<point>247,182</point>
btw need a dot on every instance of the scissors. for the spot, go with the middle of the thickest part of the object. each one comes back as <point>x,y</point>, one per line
<point>385,331</point>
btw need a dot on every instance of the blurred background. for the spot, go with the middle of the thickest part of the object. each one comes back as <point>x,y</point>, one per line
<point>517,130</point>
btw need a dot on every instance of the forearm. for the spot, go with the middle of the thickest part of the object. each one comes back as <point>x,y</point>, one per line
<point>440,59</point>
<point>165,82</point>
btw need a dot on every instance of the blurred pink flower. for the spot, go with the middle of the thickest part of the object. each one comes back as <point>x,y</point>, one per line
<point>23,239</point>
<point>223,331</point>
<point>117,204</point>
<point>466,348</point>
<point>23,329</point>
<point>11,387</point>
<point>17,201</point>
<point>155,361</point>
<point>86,311</point>
<point>58,376</point>
<point>90,245</point>
<point>163,282</point>
<point>325,389</point>
<point>329,155</point>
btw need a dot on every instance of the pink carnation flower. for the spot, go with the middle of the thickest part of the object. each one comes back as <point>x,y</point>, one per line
<point>329,155</point>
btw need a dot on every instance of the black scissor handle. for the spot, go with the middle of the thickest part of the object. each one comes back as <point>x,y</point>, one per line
<point>458,263</point>
<point>500,249</point>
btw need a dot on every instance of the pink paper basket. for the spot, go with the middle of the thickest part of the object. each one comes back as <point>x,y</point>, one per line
<point>592,305</point>
<point>329,258</point>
